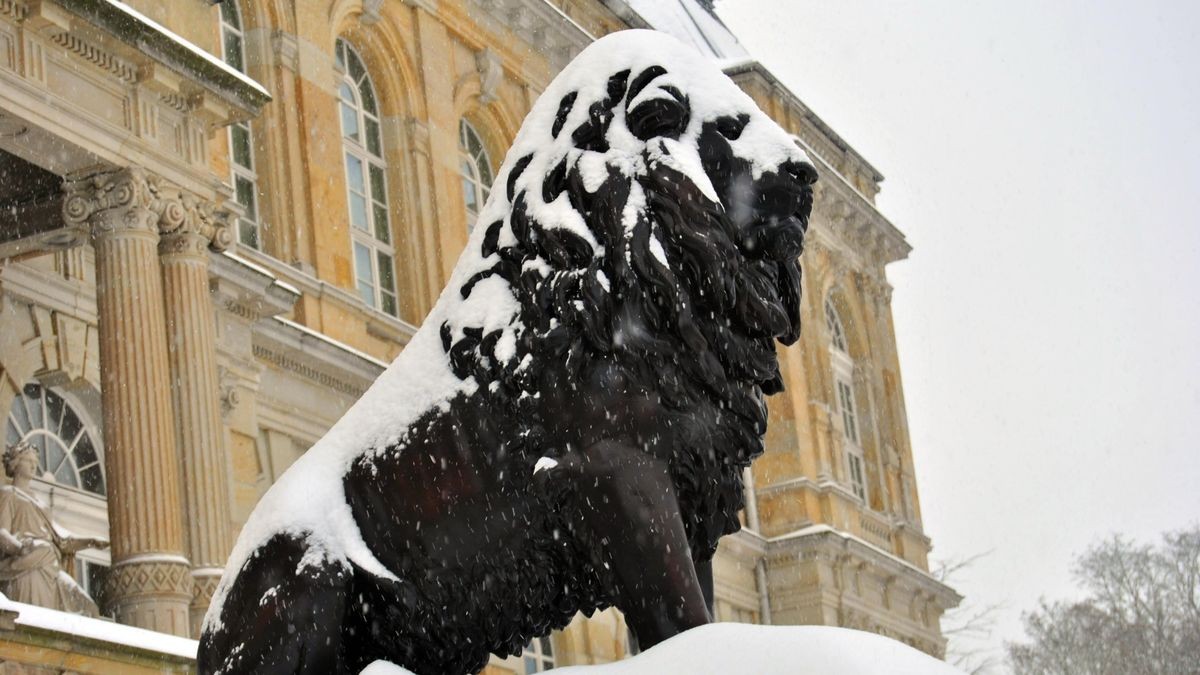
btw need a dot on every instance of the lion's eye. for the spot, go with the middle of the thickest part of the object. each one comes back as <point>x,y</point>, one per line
<point>732,127</point>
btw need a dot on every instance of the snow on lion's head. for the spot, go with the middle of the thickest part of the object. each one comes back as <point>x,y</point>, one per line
<point>637,260</point>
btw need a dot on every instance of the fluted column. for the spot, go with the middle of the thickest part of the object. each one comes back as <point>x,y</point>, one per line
<point>188,230</point>
<point>150,581</point>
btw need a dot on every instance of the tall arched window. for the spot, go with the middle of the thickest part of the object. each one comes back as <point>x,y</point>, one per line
<point>843,378</point>
<point>366,183</point>
<point>476,170</point>
<point>241,141</point>
<point>66,452</point>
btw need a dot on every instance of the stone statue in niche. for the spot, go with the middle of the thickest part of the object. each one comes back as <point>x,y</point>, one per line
<point>568,429</point>
<point>32,549</point>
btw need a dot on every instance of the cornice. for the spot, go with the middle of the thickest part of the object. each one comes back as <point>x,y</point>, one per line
<point>143,37</point>
<point>541,25</point>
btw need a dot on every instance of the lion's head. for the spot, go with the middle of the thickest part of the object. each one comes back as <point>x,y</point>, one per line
<point>635,264</point>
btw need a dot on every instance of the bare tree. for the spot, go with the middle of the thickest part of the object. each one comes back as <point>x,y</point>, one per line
<point>1141,615</point>
<point>968,626</point>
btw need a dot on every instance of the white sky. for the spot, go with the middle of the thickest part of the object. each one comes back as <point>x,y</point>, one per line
<point>1044,161</point>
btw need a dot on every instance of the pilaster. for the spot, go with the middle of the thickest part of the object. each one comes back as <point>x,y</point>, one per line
<point>150,583</point>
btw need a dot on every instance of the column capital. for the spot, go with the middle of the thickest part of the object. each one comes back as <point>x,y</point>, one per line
<point>189,224</point>
<point>134,199</point>
<point>112,201</point>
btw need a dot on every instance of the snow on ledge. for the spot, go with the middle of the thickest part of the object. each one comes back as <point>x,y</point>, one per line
<point>730,648</point>
<point>98,629</point>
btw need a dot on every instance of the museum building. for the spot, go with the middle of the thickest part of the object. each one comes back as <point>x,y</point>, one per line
<point>219,223</point>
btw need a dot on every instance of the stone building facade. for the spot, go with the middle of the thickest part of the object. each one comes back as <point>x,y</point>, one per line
<point>219,223</point>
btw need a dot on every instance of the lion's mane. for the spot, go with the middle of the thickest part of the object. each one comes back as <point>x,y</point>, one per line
<point>667,299</point>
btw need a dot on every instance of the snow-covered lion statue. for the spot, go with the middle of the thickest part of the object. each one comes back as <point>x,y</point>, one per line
<point>568,429</point>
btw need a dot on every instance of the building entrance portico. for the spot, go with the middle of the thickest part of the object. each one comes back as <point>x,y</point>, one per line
<point>109,194</point>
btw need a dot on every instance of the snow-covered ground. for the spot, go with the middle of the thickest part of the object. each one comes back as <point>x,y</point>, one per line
<point>735,648</point>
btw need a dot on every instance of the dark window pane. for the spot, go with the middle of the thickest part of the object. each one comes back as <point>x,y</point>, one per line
<point>233,51</point>
<point>84,452</point>
<point>368,96</point>
<point>54,411</point>
<point>378,193</point>
<point>229,14</point>
<point>240,139</point>
<point>387,280</point>
<point>389,304</point>
<point>356,67</point>
<point>373,142</point>
<point>381,225</point>
<point>71,427</point>
<point>248,233</point>
<point>93,479</point>
<point>245,196</point>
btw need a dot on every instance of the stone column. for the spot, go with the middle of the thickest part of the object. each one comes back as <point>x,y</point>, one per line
<point>188,230</point>
<point>150,582</point>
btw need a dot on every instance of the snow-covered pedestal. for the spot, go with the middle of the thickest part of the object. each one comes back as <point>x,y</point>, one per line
<point>729,648</point>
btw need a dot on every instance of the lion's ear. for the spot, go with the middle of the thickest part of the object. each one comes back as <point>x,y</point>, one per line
<point>665,115</point>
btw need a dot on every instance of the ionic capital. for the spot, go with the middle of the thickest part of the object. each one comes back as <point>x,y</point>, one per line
<point>120,200</point>
<point>190,225</point>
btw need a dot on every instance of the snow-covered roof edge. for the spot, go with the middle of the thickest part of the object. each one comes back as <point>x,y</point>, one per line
<point>149,36</point>
<point>821,529</point>
<point>740,66</point>
<point>77,626</point>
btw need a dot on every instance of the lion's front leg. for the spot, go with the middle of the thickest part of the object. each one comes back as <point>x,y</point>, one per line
<point>629,515</point>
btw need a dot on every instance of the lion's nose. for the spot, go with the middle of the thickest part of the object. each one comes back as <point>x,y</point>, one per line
<point>802,172</point>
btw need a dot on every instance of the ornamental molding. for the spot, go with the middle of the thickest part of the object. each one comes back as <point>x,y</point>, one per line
<point>491,74</point>
<point>138,578</point>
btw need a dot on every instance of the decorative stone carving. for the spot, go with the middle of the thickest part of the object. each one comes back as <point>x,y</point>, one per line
<point>491,74</point>
<point>370,12</point>
<point>134,199</point>
<point>121,199</point>
<point>32,550</point>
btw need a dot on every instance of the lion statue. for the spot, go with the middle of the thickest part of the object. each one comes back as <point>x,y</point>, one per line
<point>568,429</point>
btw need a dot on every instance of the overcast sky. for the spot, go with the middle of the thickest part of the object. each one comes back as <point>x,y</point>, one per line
<point>1043,159</point>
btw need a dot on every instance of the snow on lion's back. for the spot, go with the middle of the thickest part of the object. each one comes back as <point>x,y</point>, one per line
<point>308,500</point>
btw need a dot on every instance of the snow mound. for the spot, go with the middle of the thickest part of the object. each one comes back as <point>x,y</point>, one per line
<point>725,648</point>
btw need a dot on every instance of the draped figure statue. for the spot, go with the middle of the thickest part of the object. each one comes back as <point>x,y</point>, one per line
<point>32,548</point>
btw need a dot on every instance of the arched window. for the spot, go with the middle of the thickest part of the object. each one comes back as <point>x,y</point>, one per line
<point>66,453</point>
<point>837,335</point>
<point>241,141</point>
<point>366,183</point>
<point>476,170</point>
<point>843,378</point>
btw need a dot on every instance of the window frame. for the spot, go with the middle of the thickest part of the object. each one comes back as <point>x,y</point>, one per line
<point>538,652</point>
<point>472,167</point>
<point>365,146</point>
<point>18,428</point>
<point>243,175</point>
<point>854,457</point>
